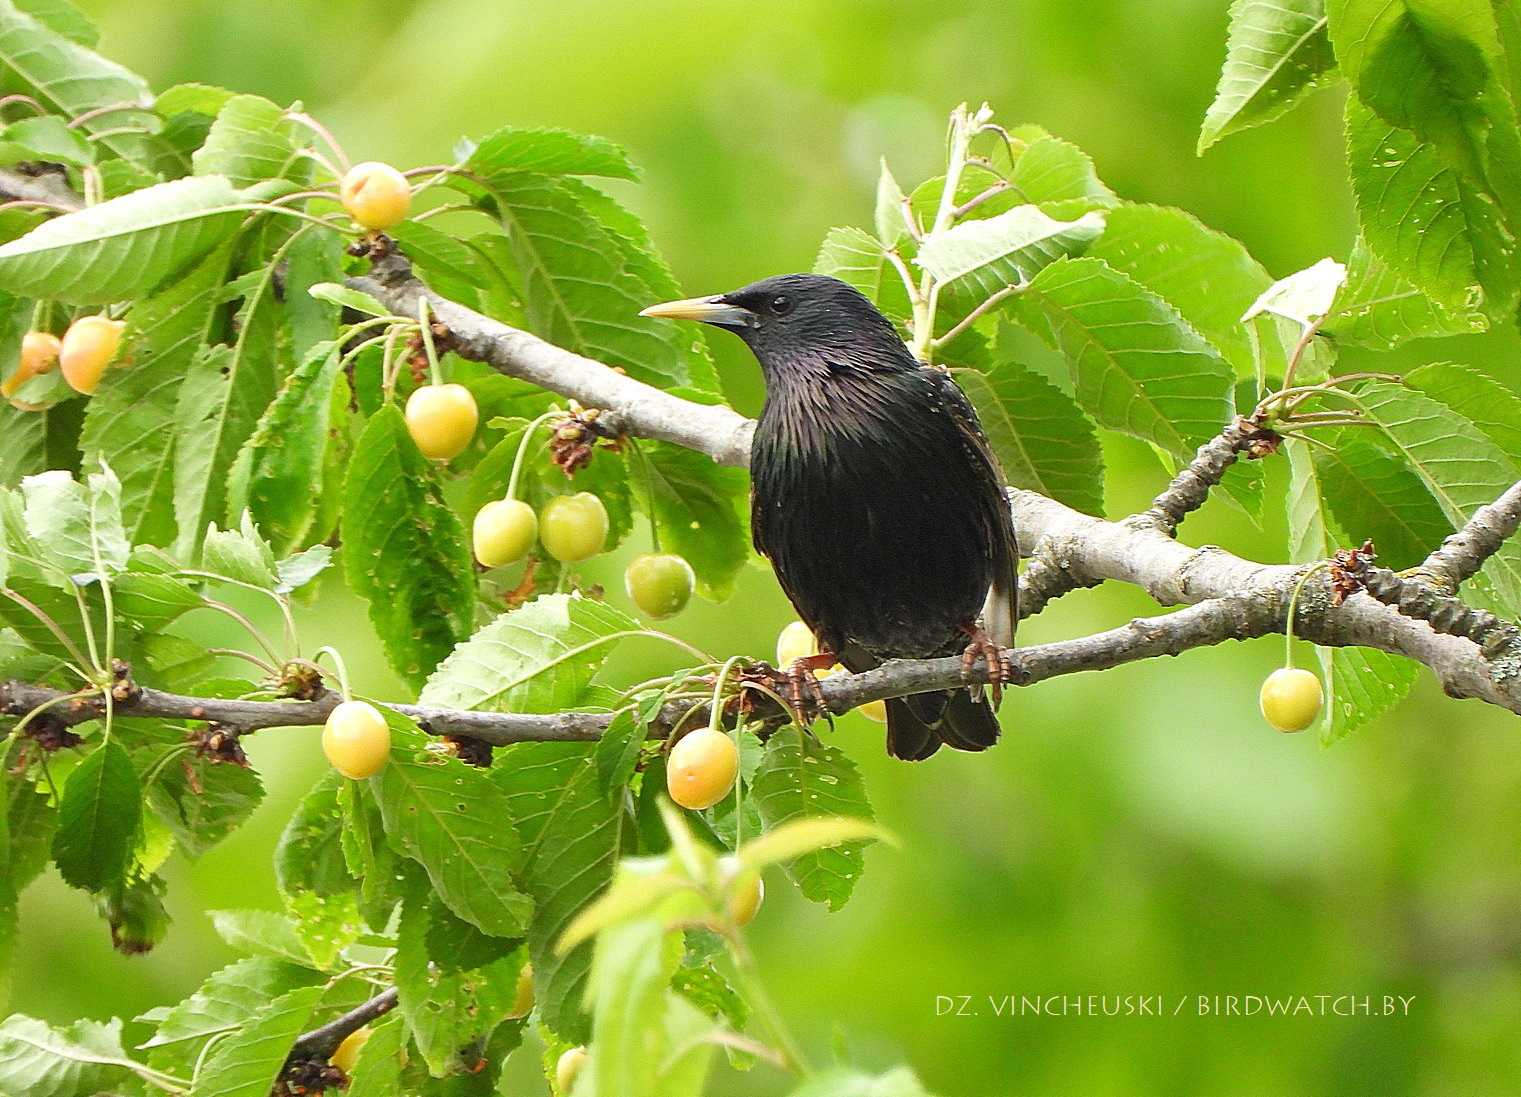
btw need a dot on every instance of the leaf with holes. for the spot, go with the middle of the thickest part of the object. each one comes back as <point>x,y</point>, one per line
<point>405,550</point>
<point>800,778</point>
<point>447,817</point>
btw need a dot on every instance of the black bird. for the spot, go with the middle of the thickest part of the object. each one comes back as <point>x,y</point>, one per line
<point>875,496</point>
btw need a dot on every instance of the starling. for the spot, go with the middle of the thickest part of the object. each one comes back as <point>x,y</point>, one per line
<point>875,496</point>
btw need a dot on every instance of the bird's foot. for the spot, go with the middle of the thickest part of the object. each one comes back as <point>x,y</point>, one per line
<point>795,686</point>
<point>803,689</point>
<point>998,659</point>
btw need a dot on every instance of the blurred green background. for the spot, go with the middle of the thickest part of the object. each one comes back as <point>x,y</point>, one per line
<point>1139,833</point>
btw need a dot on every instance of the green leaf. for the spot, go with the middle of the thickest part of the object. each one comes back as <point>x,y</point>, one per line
<point>76,527</point>
<point>46,51</point>
<point>62,18</point>
<point>39,1060</point>
<point>370,859</point>
<point>988,255</point>
<point>445,1012</point>
<point>23,444</point>
<point>45,137</point>
<point>702,511</point>
<point>1359,683</point>
<point>98,819</point>
<point>247,1065</point>
<point>858,259</point>
<point>578,290</point>
<point>31,820</point>
<point>1277,52</point>
<point>1304,296</point>
<point>126,247</point>
<point>220,403</point>
<point>314,257</point>
<point>842,1082</point>
<point>889,220</point>
<point>632,966</point>
<point>377,1071</point>
<point>548,152</point>
<point>1458,463</point>
<point>1369,682</point>
<point>1043,440</point>
<point>226,1000</point>
<point>1429,223</point>
<point>405,550</point>
<point>1434,67</point>
<point>203,813</point>
<point>572,835</point>
<point>804,835</point>
<point>617,753</point>
<point>348,298</point>
<point>447,816</point>
<point>240,555</point>
<point>58,604</point>
<point>1377,308</point>
<point>637,257</point>
<point>802,778</point>
<point>299,569</point>
<point>541,657</point>
<point>309,856</point>
<point>130,421</point>
<point>1492,407</point>
<point>261,933</point>
<point>1371,493</point>
<point>1139,368</point>
<point>250,141</point>
<point>193,98</point>
<point>146,603</point>
<point>277,475</point>
<point>1050,171</point>
<point>1209,277</point>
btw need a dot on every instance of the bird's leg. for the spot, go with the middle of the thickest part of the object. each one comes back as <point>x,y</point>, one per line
<point>997,657</point>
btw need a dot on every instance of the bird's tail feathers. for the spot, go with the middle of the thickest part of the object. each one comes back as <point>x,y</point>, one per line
<point>919,724</point>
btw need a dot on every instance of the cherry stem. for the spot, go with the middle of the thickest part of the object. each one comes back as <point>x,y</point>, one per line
<point>649,493</point>
<point>342,670</point>
<point>425,329</point>
<point>715,721</point>
<point>517,460</point>
<point>1288,626</point>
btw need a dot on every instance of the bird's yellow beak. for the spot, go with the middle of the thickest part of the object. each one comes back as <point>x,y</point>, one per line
<point>707,310</point>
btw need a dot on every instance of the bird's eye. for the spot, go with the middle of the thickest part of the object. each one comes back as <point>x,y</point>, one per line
<point>781,304</point>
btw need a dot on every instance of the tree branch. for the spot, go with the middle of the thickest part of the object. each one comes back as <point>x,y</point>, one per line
<point>1071,550</point>
<point>48,188</point>
<point>320,1043</point>
<point>631,406</point>
<point>1463,552</point>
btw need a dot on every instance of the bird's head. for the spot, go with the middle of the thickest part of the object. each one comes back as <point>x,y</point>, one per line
<point>799,319</point>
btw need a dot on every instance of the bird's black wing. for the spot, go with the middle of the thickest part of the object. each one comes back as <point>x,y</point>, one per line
<point>1002,610</point>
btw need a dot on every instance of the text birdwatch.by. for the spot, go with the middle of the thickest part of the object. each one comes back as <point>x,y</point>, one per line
<point>875,496</point>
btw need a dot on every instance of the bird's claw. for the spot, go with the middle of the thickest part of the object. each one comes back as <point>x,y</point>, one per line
<point>998,659</point>
<point>803,689</point>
